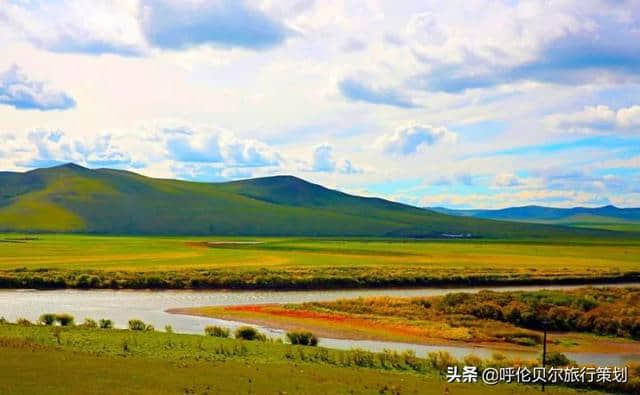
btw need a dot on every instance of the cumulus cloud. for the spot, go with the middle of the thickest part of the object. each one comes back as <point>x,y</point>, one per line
<point>78,26</point>
<point>410,139</point>
<point>44,148</point>
<point>229,23</point>
<point>506,180</point>
<point>567,42</point>
<point>323,161</point>
<point>465,179</point>
<point>132,27</point>
<point>187,151</point>
<point>209,145</point>
<point>356,90</point>
<point>354,45</point>
<point>597,119</point>
<point>18,91</point>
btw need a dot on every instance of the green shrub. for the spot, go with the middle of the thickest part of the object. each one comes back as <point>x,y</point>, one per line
<point>303,338</point>
<point>137,325</point>
<point>47,319</point>
<point>556,359</point>
<point>487,310</point>
<point>3,320</point>
<point>249,333</point>
<point>150,328</point>
<point>89,323</point>
<point>105,324</point>
<point>440,360</point>
<point>65,319</point>
<point>216,331</point>
<point>168,328</point>
<point>23,322</point>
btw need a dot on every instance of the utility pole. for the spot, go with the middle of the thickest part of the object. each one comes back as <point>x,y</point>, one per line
<point>544,352</point>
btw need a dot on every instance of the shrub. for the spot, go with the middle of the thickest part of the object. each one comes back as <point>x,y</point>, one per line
<point>635,329</point>
<point>23,322</point>
<point>302,338</point>
<point>423,302</point>
<point>137,325</point>
<point>65,319</point>
<point>473,360</point>
<point>558,359</point>
<point>47,319</point>
<point>454,299</point>
<point>249,333</point>
<point>168,328</point>
<point>488,310</point>
<point>3,320</point>
<point>150,328</point>
<point>216,331</point>
<point>105,324</point>
<point>89,323</point>
<point>440,360</point>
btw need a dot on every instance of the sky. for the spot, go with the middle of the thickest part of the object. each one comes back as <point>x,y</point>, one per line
<point>461,104</point>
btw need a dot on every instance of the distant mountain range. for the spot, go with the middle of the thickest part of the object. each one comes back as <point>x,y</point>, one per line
<point>71,198</point>
<point>605,217</point>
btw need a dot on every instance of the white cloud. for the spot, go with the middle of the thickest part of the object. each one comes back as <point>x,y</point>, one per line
<point>412,138</point>
<point>597,119</point>
<point>506,180</point>
<point>20,92</point>
<point>83,26</point>
<point>323,161</point>
<point>200,144</point>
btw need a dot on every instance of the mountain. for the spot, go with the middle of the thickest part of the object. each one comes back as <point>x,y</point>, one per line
<point>605,217</point>
<point>71,198</point>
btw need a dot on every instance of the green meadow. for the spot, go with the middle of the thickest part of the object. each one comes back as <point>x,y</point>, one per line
<point>85,261</point>
<point>74,360</point>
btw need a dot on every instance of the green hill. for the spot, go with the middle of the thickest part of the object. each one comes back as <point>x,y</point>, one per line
<point>605,217</point>
<point>71,198</point>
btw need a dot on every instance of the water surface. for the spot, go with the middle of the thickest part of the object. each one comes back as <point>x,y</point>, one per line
<point>151,306</point>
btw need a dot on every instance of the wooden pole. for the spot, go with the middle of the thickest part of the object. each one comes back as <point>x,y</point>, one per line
<point>544,354</point>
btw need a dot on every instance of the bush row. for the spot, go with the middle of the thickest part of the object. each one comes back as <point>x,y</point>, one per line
<point>319,278</point>
<point>602,311</point>
<point>242,333</point>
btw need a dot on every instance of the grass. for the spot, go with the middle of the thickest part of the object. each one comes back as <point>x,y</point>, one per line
<point>78,360</point>
<point>85,261</point>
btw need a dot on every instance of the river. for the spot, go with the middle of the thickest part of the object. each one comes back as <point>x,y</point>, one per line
<point>151,306</point>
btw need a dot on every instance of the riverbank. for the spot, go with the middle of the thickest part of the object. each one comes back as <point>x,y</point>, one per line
<point>101,262</point>
<point>588,320</point>
<point>285,280</point>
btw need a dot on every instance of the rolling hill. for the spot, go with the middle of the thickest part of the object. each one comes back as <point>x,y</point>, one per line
<point>605,217</point>
<point>71,198</point>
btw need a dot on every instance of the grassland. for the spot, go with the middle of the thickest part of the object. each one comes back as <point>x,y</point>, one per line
<point>48,360</point>
<point>57,261</point>
<point>608,319</point>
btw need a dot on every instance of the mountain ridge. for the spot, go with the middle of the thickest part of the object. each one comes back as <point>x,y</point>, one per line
<point>72,198</point>
<point>607,216</point>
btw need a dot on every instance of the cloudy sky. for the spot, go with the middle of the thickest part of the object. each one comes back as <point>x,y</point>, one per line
<point>469,103</point>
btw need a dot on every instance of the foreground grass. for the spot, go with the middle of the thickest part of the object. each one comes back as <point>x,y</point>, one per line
<point>58,261</point>
<point>48,360</point>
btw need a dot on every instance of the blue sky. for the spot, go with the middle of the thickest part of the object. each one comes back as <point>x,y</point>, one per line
<point>458,104</point>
